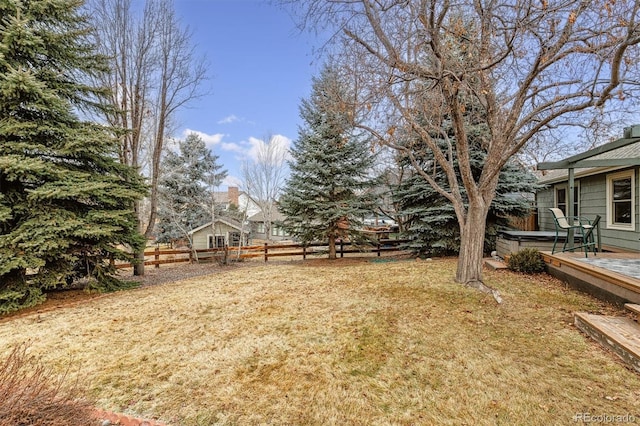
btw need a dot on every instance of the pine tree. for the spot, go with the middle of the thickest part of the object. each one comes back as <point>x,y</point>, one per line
<point>325,197</point>
<point>187,188</point>
<point>65,201</point>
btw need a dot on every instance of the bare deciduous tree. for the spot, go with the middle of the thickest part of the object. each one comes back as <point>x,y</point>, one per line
<point>392,172</point>
<point>531,65</point>
<point>154,71</point>
<point>264,177</point>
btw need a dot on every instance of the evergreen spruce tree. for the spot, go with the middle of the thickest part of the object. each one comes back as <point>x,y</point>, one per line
<point>432,224</point>
<point>65,201</point>
<point>187,189</point>
<point>325,197</point>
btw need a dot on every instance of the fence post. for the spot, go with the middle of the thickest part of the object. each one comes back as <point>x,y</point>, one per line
<point>190,256</point>
<point>266,250</point>
<point>304,252</point>
<point>341,248</point>
<point>378,248</point>
<point>226,254</point>
<point>156,257</point>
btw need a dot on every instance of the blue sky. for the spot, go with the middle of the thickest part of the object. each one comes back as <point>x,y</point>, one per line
<point>260,68</point>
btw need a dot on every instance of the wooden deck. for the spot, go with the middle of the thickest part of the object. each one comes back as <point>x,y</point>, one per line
<point>618,334</point>
<point>633,308</point>
<point>611,276</point>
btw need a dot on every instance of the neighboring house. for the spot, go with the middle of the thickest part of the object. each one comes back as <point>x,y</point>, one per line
<point>606,180</point>
<point>227,198</point>
<point>226,232</point>
<point>259,229</point>
<point>240,199</point>
<point>248,205</point>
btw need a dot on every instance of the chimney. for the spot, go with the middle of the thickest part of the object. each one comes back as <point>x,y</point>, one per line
<point>632,132</point>
<point>234,196</point>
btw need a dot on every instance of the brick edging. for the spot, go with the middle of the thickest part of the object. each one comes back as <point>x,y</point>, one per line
<point>110,418</point>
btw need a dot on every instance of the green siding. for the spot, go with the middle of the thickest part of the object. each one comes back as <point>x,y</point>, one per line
<point>544,200</point>
<point>593,195</point>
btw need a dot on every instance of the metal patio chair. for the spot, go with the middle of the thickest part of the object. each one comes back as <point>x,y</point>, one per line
<point>581,226</point>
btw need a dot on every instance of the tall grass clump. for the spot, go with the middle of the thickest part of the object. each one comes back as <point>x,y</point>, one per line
<point>30,395</point>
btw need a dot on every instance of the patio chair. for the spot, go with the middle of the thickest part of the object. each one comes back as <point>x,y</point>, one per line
<point>582,227</point>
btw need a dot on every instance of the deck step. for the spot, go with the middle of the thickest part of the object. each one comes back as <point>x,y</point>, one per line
<point>495,264</point>
<point>633,308</point>
<point>619,334</point>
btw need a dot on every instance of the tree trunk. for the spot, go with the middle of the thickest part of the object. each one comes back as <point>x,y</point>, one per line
<point>138,268</point>
<point>155,175</point>
<point>267,230</point>
<point>469,270</point>
<point>332,247</point>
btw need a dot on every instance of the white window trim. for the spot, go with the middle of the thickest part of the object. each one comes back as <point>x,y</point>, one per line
<point>610,178</point>
<point>210,238</point>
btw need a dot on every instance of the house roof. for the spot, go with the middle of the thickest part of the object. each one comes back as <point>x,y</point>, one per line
<point>227,221</point>
<point>614,155</point>
<point>276,216</point>
<point>230,196</point>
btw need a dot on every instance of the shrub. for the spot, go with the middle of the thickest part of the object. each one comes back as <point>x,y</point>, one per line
<point>527,260</point>
<point>31,395</point>
<point>18,297</point>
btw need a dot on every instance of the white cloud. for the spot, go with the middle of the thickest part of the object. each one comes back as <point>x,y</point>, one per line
<point>229,119</point>
<point>215,143</point>
<point>256,145</point>
<point>231,146</point>
<point>209,140</point>
<point>232,181</point>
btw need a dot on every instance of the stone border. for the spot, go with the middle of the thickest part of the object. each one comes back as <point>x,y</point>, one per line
<point>109,418</point>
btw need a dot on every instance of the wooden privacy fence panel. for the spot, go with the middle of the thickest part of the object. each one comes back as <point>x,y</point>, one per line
<point>528,223</point>
<point>159,257</point>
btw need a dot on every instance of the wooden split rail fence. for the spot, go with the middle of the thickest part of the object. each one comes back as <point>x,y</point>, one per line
<point>159,257</point>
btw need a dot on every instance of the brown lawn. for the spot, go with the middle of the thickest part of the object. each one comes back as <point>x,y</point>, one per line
<point>333,343</point>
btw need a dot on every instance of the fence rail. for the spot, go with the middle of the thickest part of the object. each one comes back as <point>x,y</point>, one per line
<point>159,257</point>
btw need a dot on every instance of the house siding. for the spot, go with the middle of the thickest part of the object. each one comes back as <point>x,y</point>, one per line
<point>201,240</point>
<point>258,219</point>
<point>261,236</point>
<point>544,199</point>
<point>593,196</point>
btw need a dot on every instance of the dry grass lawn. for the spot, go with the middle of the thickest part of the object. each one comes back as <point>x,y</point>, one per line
<point>349,342</point>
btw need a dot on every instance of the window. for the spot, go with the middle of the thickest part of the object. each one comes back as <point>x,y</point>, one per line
<point>276,231</point>
<point>562,198</point>
<point>235,239</point>
<point>220,241</point>
<point>620,197</point>
<point>210,241</point>
<point>260,229</point>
